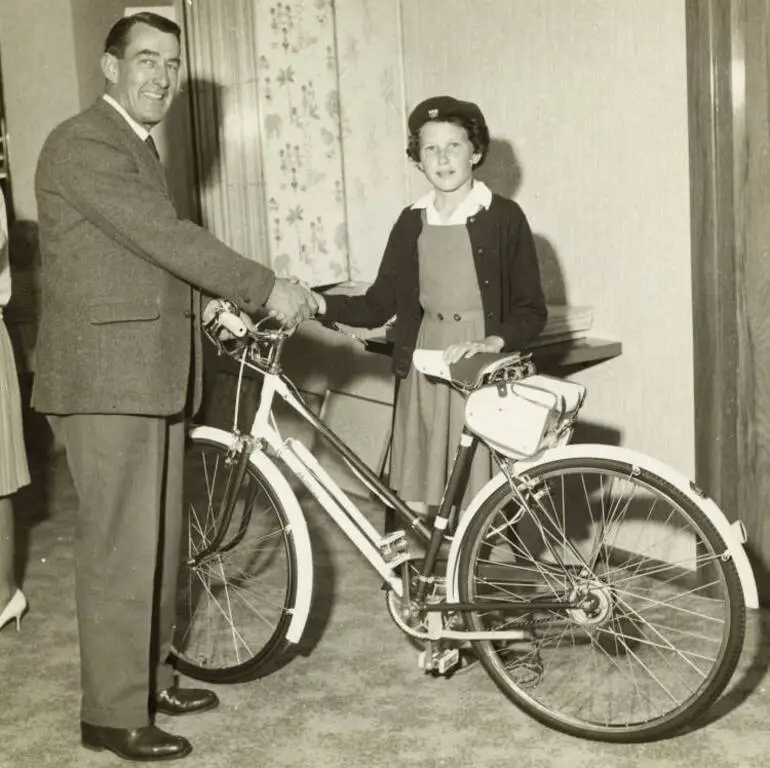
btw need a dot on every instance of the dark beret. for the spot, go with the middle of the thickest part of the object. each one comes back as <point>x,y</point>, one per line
<point>440,108</point>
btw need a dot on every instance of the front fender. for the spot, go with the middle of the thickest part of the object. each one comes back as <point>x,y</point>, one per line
<point>297,527</point>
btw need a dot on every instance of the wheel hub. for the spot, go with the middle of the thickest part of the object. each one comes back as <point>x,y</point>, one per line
<point>595,603</point>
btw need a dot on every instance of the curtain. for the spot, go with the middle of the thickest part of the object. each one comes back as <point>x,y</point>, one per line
<point>266,119</point>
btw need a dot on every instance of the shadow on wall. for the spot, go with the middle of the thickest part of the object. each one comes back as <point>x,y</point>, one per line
<point>588,432</point>
<point>205,146</point>
<point>501,171</point>
<point>503,174</point>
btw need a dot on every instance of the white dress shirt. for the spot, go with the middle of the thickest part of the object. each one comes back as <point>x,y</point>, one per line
<point>138,129</point>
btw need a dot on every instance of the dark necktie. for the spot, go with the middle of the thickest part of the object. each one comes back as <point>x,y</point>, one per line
<point>150,142</point>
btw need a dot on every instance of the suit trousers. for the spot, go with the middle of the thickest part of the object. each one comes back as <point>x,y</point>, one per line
<point>127,472</point>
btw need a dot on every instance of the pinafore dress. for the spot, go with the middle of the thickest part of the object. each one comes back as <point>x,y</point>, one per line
<point>428,416</point>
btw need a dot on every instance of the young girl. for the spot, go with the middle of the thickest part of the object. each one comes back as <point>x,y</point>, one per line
<point>14,472</point>
<point>460,274</point>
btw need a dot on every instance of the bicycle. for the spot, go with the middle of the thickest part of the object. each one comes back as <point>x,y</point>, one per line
<point>600,589</point>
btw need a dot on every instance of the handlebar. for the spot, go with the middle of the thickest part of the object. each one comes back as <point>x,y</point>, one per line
<point>234,334</point>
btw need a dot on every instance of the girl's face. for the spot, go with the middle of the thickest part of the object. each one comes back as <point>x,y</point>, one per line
<point>446,155</point>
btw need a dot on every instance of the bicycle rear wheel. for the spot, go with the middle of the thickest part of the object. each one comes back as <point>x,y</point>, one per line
<point>657,619</point>
<point>234,606</point>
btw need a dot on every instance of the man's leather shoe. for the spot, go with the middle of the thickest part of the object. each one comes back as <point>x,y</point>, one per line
<point>183,701</point>
<point>146,743</point>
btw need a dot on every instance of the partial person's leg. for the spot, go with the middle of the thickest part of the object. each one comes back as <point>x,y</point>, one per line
<point>171,699</point>
<point>7,574</point>
<point>169,554</point>
<point>14,470</point>
<point>116,463</point>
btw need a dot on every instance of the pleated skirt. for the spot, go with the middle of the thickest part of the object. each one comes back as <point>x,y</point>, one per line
<point>14,470</point>
<point>428,420</point>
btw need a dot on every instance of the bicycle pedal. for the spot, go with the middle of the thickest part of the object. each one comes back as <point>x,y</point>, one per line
<point>439,662</point>
<point>448,660</point>
<point>394,548</point>
<point>404,557</point>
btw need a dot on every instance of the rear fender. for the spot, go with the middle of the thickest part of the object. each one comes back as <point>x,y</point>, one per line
<point>734,534</point>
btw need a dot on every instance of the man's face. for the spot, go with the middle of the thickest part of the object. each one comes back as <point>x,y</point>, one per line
<point>145,80</point>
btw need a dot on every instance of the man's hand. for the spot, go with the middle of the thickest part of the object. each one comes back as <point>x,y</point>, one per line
<point>290,302</point>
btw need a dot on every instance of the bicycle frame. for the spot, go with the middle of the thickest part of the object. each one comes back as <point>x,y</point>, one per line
<point>384,552</point>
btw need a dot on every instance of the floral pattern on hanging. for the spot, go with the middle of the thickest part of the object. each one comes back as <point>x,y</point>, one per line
<point>301,146</point>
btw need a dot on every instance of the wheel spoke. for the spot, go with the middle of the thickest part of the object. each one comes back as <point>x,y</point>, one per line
<point>232,605</point>
<point>655,620</point>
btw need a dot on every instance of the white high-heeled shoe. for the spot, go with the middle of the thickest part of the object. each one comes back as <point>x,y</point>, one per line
<point>14,610</point>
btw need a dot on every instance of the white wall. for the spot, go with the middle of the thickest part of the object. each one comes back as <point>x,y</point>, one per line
<point>40,85</point>
<point>370,72</point>
<point>50,53</point>
<point>587,101</point>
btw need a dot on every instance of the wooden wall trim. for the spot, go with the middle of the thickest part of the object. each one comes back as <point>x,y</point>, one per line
<point>713,232</point>
<point>728,50</point>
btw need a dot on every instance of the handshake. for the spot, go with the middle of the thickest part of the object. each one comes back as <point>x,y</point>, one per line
<point>291,303</point>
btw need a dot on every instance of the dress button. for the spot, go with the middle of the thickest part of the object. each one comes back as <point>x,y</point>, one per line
<point>439,316</point>
<point>491,315</point>
<point>479,250</point>
<point>188,313</point>
<point>456,316</point>
<point>486,282</point>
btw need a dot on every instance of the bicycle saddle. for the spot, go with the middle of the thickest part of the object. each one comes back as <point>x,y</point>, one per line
<point>468,372</point>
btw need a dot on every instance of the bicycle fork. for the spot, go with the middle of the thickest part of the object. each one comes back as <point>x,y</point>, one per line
<point>239,455</point>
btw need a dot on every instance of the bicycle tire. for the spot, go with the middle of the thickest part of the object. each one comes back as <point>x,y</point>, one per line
<point>614,671</point>
<point>234,610</point>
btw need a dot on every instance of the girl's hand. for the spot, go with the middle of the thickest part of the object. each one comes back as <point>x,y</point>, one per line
<point>455,352</point>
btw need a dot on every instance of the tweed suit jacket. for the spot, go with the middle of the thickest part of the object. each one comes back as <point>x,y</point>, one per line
<point>121,275</point>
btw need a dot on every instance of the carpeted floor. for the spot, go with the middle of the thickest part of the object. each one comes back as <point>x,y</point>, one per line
<point>357,698</point>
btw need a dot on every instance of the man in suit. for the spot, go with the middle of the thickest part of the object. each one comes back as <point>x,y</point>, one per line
<point>118,369</point>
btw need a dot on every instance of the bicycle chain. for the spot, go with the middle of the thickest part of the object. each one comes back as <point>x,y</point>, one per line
<point>523,622</point>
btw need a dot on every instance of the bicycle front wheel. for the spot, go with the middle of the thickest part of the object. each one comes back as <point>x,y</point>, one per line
<point>653,619</point>
<point>238,578</point>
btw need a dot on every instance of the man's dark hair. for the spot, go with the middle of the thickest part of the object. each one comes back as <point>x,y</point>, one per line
<point>117,38</point>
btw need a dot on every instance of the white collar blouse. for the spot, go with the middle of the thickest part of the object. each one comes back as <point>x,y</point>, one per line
<point>479,197</point>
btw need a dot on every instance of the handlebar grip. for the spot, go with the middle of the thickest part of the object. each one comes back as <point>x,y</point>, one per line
<point>232,323</point>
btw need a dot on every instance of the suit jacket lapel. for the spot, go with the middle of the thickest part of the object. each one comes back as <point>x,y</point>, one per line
<point>132,142</point>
